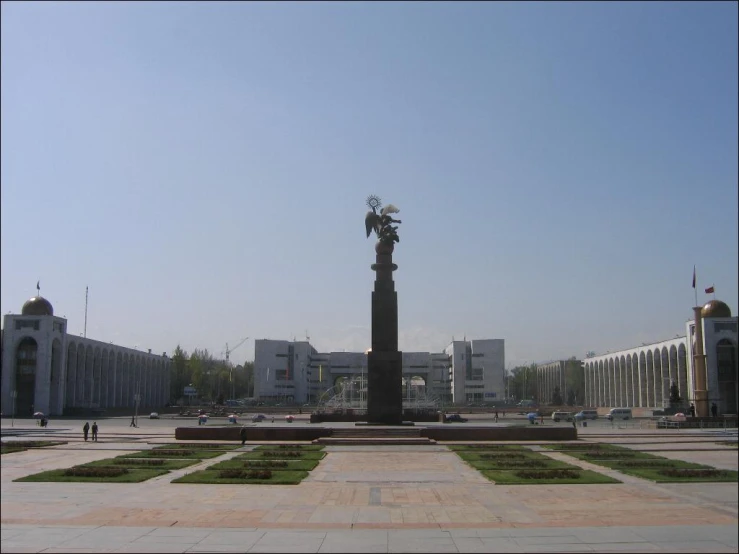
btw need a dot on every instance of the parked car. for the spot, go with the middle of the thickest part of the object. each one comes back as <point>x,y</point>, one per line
<point>452,418</point>
<point>153,415</point>
<point>256,418</point>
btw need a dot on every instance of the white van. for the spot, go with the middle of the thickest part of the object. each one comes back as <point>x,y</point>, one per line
<point>589,414</point>
<point>619,413</point>
<point>566,416</point>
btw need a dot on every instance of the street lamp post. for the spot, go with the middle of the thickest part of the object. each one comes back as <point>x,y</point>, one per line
<point>15,395</point>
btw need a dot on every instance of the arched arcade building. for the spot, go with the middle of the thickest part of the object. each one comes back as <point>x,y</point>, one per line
<point>642,376</point>
<point>46,370</point>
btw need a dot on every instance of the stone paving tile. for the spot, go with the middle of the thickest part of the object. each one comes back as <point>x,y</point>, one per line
<point>471,544</point>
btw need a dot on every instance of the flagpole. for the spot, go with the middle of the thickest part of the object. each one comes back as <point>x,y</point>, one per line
<point>86,312</point>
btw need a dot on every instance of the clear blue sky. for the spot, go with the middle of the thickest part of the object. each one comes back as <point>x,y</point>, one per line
<point>203,168</point>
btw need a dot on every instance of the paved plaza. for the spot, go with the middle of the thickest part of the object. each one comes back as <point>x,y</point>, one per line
<point>363,499</point>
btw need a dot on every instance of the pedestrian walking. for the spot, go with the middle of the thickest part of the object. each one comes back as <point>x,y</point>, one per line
<point>85,429</point>
<point>714,410</point>
<point>242,434</point>
<point>95,431</point>
<point>273,419</point>
<point>496,416</point>
<point>133,422</point>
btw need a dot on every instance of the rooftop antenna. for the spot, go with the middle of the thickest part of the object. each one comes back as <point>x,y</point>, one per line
<point>86,311</point>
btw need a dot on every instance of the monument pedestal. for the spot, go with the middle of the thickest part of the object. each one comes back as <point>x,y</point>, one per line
<point>384,361</point>
<point>385,388</point>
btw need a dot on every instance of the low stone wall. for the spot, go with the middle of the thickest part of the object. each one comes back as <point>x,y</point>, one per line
<point>231,433</point>
<point>446,433</point>
<point>528,433</point>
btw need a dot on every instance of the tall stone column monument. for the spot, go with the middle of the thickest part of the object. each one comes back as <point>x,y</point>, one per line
<point>384,364</point>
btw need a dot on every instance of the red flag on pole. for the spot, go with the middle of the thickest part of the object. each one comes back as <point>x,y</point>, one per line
<point>693,276</point>
<point>709,290</point>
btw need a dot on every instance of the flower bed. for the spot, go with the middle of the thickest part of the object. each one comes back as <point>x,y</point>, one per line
<point>242,477</point>
<point>683,475</point>
<point>241,474</point>
<point>175,453</point>
<point>93,475</point>
<point>154,463</point>
<point>548,474</point>
<point>274,465</point>
<point>548,477</point>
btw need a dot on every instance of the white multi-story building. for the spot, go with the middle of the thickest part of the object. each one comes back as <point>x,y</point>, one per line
<point>642,376</point>
<point>44,369</point>
<point>465,371</point>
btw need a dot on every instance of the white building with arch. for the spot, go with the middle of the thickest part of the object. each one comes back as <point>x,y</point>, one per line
<point>44,369</point>
<point>642,376</point>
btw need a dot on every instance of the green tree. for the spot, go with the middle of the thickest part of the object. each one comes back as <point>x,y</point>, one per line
<point>557,397</point>
<point>574,381</point>
<point>674,394</point>
<point>570,397</point>
<point>180,373</point>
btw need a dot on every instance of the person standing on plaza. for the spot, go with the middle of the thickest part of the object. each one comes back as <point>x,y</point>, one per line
<point>95,431</point>
<point>496,416</point>
<point>242,434</point>
<point>714,410</point>
<point>85,429</point>
<point>692,410</point>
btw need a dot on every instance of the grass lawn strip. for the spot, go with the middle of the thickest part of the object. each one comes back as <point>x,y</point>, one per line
<point>7,447</point>
<point>196,446</point>
<point>176,453</point>
<point>572,477</point>
<point>213,477</point>
<point>143,463</point>
<point>713,475</point>
<point>478,447</point>
<point>273,465</point>
<point>292,447</point>
<point>280,455</point>
<point>58,476</point>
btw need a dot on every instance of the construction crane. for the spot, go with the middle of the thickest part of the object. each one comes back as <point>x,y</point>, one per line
<point>228,363</point>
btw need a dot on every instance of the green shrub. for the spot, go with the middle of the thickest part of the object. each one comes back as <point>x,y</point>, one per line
<point>138,462</point>
<point>175,452</point>
<point>503,456</point>
<point>287,454</point>
<point>548,474</point>
<point>241,474</point>
<point>95,471</point>
<point>266,463</point>
<point>674,472</point>
<point>610,454</point>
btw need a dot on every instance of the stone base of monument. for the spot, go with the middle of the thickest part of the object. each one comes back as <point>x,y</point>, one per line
<point>418,434</point>
<point>372,424</point>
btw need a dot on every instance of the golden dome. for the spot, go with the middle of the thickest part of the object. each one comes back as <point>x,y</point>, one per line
<point>38,305</point>
<point>715,308</point>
